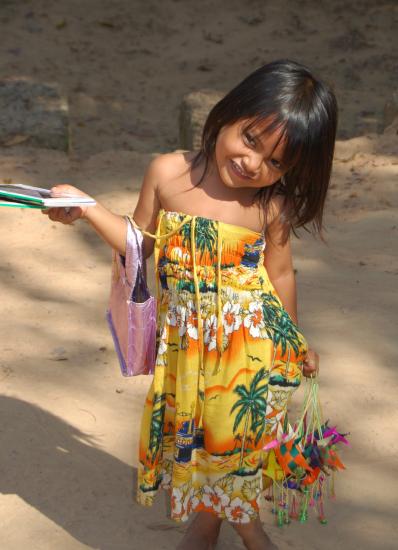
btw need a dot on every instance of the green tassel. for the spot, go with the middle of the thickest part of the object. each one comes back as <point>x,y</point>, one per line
<point>280,518</point>
<point>303,517</point>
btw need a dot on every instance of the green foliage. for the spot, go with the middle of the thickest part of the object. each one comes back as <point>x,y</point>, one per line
<point>205,235</point>
<point>279,325</point>
<point>156,426</point>
<point>252,405</point>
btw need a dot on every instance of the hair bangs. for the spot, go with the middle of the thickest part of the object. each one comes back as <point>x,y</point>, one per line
<point>296,140</point>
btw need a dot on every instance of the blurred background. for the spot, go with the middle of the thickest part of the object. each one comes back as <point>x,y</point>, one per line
<point>125,65</point>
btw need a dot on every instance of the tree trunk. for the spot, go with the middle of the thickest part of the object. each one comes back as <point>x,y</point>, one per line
<point>273,356</point>
<point>288,359</point>
<point>242,449</point>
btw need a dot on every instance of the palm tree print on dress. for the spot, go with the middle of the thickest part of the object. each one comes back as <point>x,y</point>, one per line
<point>282,329</point>
<point>205,236</point>
<point>252,405</point>
<point>156,426</point>
<point>237,438</point>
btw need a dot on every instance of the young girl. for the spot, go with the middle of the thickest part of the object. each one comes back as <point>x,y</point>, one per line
<point>229,349</point>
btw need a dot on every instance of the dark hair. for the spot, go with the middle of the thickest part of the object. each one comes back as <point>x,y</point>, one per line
<point>291,98</point>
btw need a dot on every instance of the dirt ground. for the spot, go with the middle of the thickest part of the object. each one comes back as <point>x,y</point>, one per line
<point>69,421</point>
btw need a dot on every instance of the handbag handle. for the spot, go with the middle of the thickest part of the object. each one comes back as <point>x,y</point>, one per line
<point>134,252</point>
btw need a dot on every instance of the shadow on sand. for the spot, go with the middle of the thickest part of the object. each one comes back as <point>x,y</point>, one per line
<point>58,470</point>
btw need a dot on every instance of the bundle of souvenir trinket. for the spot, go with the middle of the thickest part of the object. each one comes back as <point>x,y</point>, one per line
<point>302,462</point>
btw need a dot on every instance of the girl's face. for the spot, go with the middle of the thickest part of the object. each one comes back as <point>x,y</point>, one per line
<point>245,158</point>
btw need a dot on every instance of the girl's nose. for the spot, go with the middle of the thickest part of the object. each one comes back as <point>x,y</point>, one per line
<point>251,164</point>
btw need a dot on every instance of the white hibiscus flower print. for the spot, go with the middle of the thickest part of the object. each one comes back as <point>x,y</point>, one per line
<point>176,501</point>
<point>195,501</point>
<point>210,332</point>
<point>181,315</point>
<point>231,317</point>
<point>162,356</point>
<point>166,480</point>
<point>188,500</point>
<point>192,321</point>
<point>254,319</point>
<point>239,511</point>
<point>172,316</point>
<point>163,343</point>
<point>215,498</point>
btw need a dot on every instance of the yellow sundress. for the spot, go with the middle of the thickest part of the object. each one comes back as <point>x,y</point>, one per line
<point>223,378</point>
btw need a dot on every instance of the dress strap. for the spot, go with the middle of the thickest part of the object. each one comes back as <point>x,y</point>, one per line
<point>219,335</point>
<point>157,235</point>
<point>200,368</point>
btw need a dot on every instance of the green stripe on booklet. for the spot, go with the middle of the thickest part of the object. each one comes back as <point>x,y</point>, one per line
<point>21,205</point>
<point>37,197</point>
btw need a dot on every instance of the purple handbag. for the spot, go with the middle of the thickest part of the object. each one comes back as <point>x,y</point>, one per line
<point>131,313</point>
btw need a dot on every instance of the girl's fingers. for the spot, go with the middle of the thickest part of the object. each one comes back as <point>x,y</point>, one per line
<point>52,214</point>
<point>59,215</point>
<point>310,371</point>
<point>66,189</point>
<point>309,374</point>
<point>311,364</point>
<point>58,188</point>
<point>65,215</point>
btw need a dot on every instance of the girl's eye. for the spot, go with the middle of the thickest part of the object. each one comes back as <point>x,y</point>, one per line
<point>249,139</point>
<point>276,164</point>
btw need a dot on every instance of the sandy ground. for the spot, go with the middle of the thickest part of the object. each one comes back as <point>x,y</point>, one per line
<point>69,421</point>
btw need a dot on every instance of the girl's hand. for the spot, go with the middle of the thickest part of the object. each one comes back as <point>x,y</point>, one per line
<point>311,364</point>
<point>66,215</point>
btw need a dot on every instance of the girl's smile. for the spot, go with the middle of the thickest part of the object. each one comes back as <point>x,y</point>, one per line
<point>238,171</point>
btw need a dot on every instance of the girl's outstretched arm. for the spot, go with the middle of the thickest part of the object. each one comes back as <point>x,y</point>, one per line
<point>148,205</point>
<point>112,227</point>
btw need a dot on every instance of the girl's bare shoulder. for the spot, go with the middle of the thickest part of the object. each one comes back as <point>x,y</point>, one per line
<point>275,210</point>
<point>162,176</point>
<point>170,166</point>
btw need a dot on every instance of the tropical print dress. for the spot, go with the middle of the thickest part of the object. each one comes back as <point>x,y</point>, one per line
<point>228,358</point>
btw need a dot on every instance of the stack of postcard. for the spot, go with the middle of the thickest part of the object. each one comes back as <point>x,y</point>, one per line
<point>26,196</point>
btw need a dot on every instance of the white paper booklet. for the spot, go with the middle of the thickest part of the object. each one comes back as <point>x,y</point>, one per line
<point>26,196</point>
